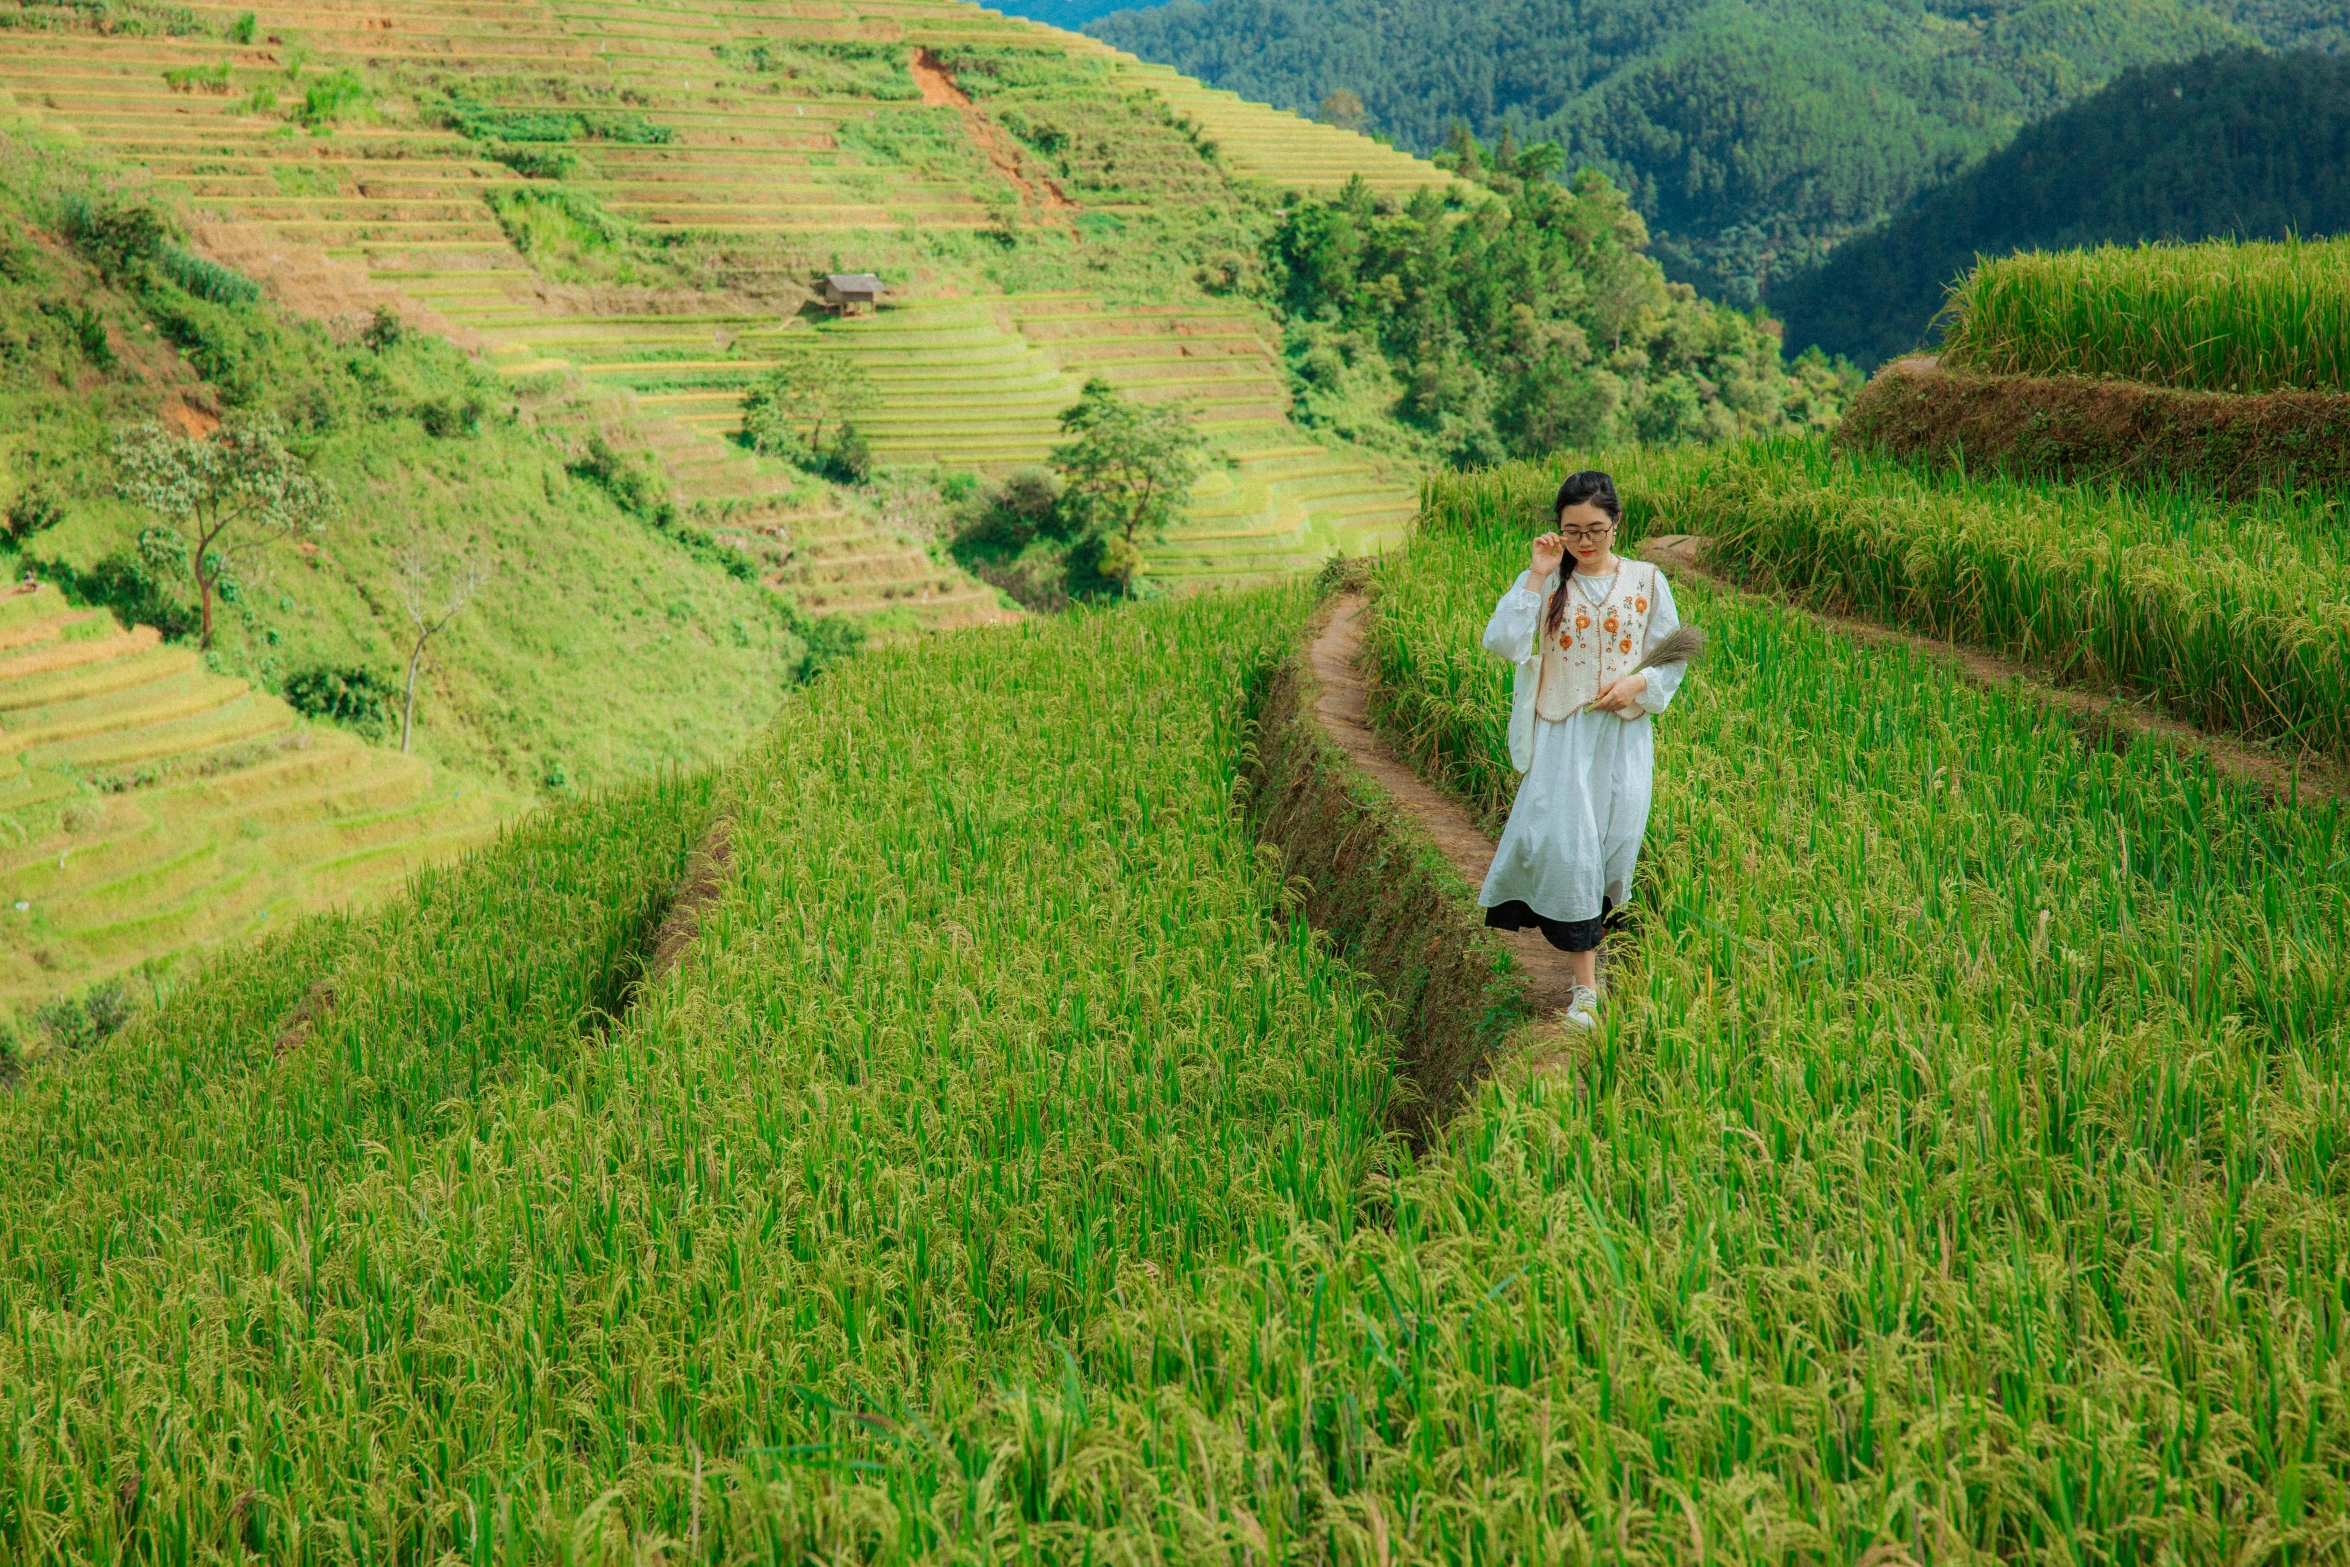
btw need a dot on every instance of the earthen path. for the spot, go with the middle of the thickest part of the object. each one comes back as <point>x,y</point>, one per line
<point>1343,711</point>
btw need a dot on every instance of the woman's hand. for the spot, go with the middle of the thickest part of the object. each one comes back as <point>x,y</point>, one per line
<point>1549,550</point>
<point>1623,698</point>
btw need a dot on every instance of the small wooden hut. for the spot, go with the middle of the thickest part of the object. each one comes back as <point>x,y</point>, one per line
<point>852,293</point>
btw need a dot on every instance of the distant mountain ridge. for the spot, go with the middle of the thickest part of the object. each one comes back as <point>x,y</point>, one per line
<point>2242,144</point>
<point>1752,134</point>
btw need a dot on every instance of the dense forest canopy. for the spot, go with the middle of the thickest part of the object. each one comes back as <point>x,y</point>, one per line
<point>2240,144</point>
<point>1751,134</point>
<point>1517,319</point>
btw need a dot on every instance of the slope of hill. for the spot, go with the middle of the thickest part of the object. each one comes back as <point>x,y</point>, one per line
<point>1751,133</point>
<point>149,806</point>
<point>638,194</point>
<point>2241,144</point>
<point>602,643</point>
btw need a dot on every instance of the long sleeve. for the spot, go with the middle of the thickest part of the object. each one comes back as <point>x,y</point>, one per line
<point>1510,633</point>
<point>1664,679</point>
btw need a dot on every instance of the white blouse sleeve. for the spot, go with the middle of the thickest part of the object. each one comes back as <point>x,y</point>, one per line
<point>1663,679</point>
<point>1510,633</point>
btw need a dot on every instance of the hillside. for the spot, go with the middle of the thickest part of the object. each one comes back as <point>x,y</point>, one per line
<point>632,199</point>
<point>150,806</point>
<point>2240,145</point>
<point>1751,133</point>
<point>600,643</point>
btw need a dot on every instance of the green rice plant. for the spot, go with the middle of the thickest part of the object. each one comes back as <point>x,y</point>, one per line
<point>2233,615</point>
<point>2214,317</point>
<point>996,1179</point>
<point>204,278</point>
<point>211,78</point>
<point>338,95</point>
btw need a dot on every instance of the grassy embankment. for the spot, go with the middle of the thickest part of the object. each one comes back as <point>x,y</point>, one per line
<point>995,1178</point>
<point>2221,367</point>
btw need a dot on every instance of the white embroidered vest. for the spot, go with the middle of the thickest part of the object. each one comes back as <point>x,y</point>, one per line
<point>1595,645</point>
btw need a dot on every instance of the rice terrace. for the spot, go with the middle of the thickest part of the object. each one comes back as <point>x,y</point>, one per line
<point>836,781</point>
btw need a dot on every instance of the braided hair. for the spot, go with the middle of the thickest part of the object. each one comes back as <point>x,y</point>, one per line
<point>1588,488</point>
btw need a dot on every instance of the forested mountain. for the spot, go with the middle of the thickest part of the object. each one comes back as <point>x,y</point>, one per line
<point>2242,144</point>
<point>1750,133</point>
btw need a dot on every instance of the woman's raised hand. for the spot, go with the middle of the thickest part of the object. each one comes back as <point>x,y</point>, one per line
<point>1549,550</point>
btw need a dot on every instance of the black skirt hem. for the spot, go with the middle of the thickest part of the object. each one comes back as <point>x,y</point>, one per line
<point>1566,935</point>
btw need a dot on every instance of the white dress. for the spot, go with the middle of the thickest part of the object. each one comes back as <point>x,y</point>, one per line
<point>1575,829</point>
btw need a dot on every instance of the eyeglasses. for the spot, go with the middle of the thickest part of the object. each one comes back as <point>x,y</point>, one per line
<point>1587,535</point>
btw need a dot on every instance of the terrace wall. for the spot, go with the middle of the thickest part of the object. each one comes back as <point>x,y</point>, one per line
<point>2071,428</point>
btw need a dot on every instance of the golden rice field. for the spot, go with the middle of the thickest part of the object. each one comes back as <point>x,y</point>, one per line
<point>1003,1176</point>
<point>2213,317</point>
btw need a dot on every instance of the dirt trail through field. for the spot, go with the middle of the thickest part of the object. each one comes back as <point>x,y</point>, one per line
<point>1343,711</point>
<point>1003,154</point>
<point>2092,711</point>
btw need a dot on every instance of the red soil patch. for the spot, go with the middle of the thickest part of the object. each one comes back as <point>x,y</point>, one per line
<point>1003,153</point>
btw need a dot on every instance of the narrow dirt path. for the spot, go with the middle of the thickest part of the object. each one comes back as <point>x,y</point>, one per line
<point>1343,711</point>
<point>939,91</point>
<point>2090,710</point>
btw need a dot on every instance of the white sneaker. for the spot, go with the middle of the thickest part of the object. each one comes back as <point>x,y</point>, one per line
<point>1582,1009</point>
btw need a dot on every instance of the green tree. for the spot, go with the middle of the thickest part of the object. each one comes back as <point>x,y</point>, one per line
<point>1343,109</point>
<point>807,394</point>
<point>225,497</point>
<point>1126,467</point>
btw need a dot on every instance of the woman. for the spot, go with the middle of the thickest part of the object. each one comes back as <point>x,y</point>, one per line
<point>1579,729</point>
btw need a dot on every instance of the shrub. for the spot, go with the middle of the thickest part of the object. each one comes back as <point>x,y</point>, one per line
<point>1007,516</point>
<point>198,78</point>
<point>88,330</point>
<point>536,162</point>
<point>639,490</point>
<point>241,30</point>
<point>36,509</point>
<point>457,413</point>
<point>356,698</point>
<point>851,459</point>
<point>114,239</point>
<point>332,97</point>
<point>92,1018</point>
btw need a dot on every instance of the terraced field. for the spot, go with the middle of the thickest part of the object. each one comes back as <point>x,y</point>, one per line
<point>148,806</point>
<point>785,172</point>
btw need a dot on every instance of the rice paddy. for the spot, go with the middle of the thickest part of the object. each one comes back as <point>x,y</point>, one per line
<point>149,808</point>
<point>2215,317</point>
<point>1002,1175</point>
<point>2230,614</point>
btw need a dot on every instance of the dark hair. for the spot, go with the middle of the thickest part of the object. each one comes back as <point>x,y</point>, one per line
<point>1588,488</point>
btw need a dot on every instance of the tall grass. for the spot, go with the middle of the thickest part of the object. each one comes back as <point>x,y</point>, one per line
<point>1002,1178</point>
<point>2233,615</point>
<point>2214,317</point>
<point>1961,1172</point>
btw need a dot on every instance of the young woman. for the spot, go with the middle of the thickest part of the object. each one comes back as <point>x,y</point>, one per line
<point>1579,729</point>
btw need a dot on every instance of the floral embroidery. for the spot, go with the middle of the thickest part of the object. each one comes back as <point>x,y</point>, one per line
<point>1640,605</point>
<point>1582,621</point>
<point>1624,646</point>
